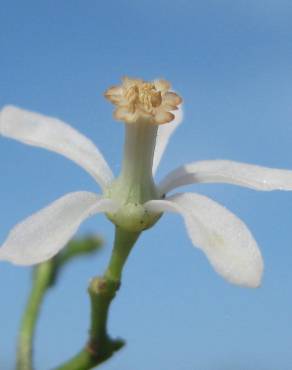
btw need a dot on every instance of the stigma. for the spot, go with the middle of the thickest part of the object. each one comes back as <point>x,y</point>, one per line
<point>137,99</point>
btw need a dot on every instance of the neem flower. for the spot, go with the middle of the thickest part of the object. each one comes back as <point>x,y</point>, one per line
<point>132,201</point>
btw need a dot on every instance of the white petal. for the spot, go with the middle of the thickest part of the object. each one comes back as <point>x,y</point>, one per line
<point>42,235</point>
<point>229,172</point>
<point>224,238</point>
<point>163,135</point>
<point>51,133</point>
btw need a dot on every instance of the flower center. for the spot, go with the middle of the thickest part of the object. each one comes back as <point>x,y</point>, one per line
<point>137,99</point>
<point>143,96</point>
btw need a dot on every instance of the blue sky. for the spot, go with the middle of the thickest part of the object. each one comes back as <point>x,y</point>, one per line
<point>232,63</point>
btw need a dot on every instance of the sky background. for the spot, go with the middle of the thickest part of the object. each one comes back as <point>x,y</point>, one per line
<point>232,63</point>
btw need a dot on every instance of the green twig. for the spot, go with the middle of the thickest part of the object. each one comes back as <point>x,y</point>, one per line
<point>44,276</point>
<point>41,282</point>
<point>102,291</point>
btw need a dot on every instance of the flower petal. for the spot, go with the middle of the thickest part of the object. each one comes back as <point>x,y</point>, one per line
<point>222,171</point>
<point>224,238</point>
<point>42,235</point>
<point>51,133</point>
<point>163,135</point>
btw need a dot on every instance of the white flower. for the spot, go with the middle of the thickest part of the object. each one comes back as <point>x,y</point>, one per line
<point>133,201</point>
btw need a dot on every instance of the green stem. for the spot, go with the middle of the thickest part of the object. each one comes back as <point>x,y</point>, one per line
<point>41,282</point>
<point>102,291</point>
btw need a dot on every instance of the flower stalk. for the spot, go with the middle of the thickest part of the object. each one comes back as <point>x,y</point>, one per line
<point>102,290</point>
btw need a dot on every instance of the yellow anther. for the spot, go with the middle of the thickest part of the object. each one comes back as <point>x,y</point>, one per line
<point>137,98</point>
<point>149,97</point>
<point>156,99</point>
<point>132,94</point>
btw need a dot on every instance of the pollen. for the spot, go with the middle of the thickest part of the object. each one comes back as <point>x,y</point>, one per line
<point>136,98</point>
